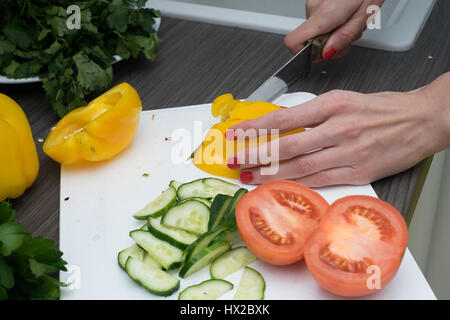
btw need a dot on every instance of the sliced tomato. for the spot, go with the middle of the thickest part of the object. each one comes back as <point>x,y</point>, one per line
<point>358,247</point>
<point>276,218</point>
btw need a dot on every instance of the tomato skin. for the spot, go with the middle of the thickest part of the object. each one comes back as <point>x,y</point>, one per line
<point>283,220</point>
<point>387,254</point>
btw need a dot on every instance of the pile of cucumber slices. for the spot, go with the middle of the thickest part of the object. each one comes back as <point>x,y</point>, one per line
<point>188,227</point>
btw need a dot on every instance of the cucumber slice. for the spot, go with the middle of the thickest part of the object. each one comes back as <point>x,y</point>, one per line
<point>158,206</point>
<point>204,200</point>
<point>231,235</point>
<point>206,188</point>
<point>150,261</point>
<point>207,290</point>
<point>202,242</point>
<point>153,279</point>
<point>168,256</point>
<point>133,251</point>
<point>175,184</point>
<point>191,216</point>
<point>218,208</point>
<point>230,217</point>
<point>176,237</point>
<point>251,286</point>
<point>231,262</point>
<point>203,258</point>
<point>221,185</point>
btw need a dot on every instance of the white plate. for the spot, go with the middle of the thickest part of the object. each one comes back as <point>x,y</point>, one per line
<point>5,80</point>
<point>97,203</point>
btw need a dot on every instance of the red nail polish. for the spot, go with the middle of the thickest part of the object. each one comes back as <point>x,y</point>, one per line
<point>230,135</point>
<point>234,164</point>
<point>246,177</point>
<point>282,107</point>
<point>329,53</point>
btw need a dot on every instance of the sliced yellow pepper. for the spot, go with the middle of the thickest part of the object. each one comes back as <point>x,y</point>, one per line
<point>212,156</point>
<point>99,131</point>
<point>19,162</point>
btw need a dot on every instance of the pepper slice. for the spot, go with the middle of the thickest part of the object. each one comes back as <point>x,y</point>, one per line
<point>211,157</point>
<point>19,163</point>
<point>98,131</point>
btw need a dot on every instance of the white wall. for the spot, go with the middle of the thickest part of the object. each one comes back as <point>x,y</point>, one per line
<point>429,231</point>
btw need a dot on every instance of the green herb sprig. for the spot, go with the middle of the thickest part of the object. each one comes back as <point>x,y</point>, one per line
<point>73,64</point>
<point>26,262</point>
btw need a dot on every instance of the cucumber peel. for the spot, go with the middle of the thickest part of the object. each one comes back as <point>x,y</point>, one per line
<point>203,258</point>
<point>207,290</point>
<point>158,206</point>
<point>153,279</point>
<point>251,286</point>
<point>231,262</point>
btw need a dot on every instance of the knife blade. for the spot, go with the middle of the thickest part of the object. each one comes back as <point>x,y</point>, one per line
<point>298,67</point>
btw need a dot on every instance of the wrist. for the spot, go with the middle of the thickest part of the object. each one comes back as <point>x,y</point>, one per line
<point>435,97</point>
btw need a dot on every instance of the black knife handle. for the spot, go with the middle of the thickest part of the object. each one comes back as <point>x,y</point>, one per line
<point>318,43</point>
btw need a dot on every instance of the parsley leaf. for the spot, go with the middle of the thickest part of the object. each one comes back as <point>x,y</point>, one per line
<point>18,33</point>
<point>6,275</point>
<point>11,237</point>
<point>25,262</point>
<point>90,75</point>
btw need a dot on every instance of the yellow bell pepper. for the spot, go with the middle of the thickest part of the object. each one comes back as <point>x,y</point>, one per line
<point>19,162</point>
<point>98,131</point>
<point>215,150</point>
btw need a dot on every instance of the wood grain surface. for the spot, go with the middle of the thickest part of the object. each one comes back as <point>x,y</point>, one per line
<point>197,62</point>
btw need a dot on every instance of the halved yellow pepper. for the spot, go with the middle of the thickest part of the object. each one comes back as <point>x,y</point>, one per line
<point>19,162</point>
<point>213,159</point>
<point>99,131</point>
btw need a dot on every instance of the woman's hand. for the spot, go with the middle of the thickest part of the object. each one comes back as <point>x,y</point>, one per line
<point>354,138</point>
<point>347,18</point>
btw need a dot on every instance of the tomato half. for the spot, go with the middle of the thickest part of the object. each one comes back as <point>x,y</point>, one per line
<point>276,218</point>
<point>358,247</point>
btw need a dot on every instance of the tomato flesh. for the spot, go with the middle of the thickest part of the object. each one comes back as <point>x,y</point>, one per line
<point>276,219</point>
<point>360,243</point>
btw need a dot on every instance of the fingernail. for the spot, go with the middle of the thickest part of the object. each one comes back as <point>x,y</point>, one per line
<point>233,164</point>
<point>329,53</point>
<point>230,135</point>
<point>246,177</point>
<point>282,107</point>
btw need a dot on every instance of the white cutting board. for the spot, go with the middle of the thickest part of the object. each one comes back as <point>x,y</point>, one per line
<point>98,201</point>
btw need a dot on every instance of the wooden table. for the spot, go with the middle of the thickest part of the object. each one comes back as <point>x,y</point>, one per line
<point>197,62</point>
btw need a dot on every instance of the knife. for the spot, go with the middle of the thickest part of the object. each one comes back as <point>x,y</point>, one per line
<point>298,67</point>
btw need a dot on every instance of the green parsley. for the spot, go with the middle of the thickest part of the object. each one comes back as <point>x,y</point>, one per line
<point>73,64</point>
<point>26,262</point>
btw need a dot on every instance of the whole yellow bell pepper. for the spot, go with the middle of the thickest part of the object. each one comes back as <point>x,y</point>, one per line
<point>98,131</point>
<point>19,162</point>
<point>215,149</point>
